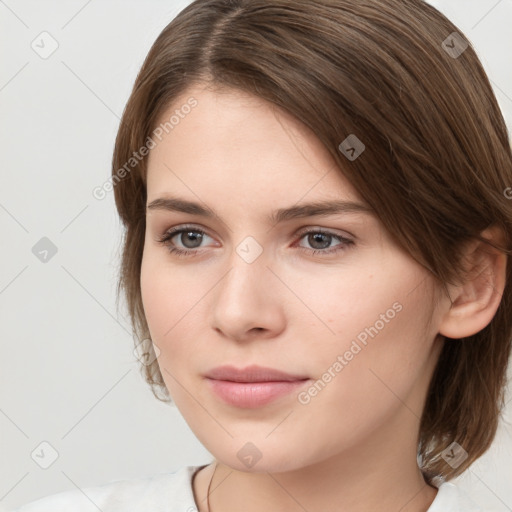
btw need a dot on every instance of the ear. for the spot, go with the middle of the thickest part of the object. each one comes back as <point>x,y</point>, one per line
<point>475,302</point>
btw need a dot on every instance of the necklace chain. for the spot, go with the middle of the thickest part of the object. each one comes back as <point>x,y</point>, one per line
<point>208,491</point>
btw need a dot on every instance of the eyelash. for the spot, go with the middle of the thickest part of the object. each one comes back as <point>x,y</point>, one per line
<point>165,239</point>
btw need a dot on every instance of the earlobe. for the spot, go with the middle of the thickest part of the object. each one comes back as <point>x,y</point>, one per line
<point>475,302</point>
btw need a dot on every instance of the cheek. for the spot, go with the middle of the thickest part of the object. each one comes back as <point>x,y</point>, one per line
<point>372,343</point>
<point>337,306</point>
<point>171,308</point>
<point>168,296</point>
<point>157,302</point>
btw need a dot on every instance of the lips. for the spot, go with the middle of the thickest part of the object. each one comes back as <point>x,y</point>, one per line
<point>253,386</point>
<point>253,373</point>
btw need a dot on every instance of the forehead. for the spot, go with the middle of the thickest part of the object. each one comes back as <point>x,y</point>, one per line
<point>240,146</point>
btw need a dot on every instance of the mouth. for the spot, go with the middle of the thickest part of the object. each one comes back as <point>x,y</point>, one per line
<point>253,373</point>
<point>253,386</point>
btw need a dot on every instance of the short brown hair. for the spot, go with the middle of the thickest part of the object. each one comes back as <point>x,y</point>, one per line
<point>437,157</point>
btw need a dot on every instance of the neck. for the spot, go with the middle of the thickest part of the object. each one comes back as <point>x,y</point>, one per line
<point>311,489</point>
<point>369,476</point>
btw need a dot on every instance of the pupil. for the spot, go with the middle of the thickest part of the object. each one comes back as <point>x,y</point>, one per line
<point>317,237</point>
<point>193,235</point>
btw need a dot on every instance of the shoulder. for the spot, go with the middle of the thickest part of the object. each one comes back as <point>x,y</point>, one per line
<point>157,493</point>
<point>451,498</point>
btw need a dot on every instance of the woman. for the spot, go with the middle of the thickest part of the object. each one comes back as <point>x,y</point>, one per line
<point>316,256</point>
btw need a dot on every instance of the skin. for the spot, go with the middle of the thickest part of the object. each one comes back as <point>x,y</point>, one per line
<point>353,446</point>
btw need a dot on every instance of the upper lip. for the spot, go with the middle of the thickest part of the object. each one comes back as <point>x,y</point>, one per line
<point>253,373</point>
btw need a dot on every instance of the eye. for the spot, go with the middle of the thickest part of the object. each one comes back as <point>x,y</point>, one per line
<point>321,240</point>
<point>187,235</point>
<point>191,238</point>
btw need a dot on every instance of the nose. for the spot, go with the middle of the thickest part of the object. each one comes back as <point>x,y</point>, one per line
<point>248,300</point>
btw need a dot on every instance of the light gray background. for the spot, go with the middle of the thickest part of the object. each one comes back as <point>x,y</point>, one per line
<point>68,375</point>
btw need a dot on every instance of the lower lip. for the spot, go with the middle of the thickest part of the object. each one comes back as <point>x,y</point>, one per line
<point>253,394</point>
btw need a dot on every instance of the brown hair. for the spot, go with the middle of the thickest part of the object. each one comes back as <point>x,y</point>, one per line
<point>437,157</point>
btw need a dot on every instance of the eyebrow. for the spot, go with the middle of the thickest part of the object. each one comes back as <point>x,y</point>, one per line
<point>282,214</point>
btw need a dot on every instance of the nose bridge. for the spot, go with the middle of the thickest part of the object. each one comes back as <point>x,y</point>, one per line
<point>244,298</point>
<point>248,271</point>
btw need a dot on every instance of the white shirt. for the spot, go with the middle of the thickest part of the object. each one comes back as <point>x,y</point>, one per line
<point>172,492</point>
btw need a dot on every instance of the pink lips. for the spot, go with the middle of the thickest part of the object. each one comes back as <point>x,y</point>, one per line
<point>253,386</point>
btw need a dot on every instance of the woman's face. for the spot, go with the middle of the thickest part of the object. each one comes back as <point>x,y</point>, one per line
<point>327,297</point>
